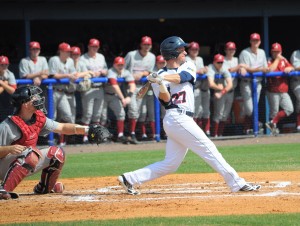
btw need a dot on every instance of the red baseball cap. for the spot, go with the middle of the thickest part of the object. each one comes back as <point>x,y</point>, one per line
<point>75,50</point>
<point>194,45</point>
<point>146,40</point>
<point>218,58</point>
<point>64,47</point>
<point>160,59</point>
<point>4,60</point>
<point>94,42</point>
<point>254,36</point>
<point>34,45</point>
<point>119,61</point>
<point>276,47</point>
<point>230,45</point>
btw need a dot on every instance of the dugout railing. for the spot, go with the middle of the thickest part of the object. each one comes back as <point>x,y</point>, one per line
<point>51,82</point>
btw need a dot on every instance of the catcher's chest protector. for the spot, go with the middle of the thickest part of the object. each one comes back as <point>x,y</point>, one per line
<point>30,133</point>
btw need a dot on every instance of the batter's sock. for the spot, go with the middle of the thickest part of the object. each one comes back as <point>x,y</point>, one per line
<point>132,123</point>
<point>120,125</point>
<point>248,123</point>
<point>281,114</point>
<point>152,125</point>
<point>221,128</point>
<point>298,119</point>
<point>61,138</point>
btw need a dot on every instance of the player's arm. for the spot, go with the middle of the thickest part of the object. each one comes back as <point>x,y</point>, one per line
<point>9,88</point>
<point>116,87</point>
<point>164,94</point>
<point>229,85</point>
<point>11,149</point>
<point>70,128</point>
<point>181,77</point>
<point>273,65</point>
<point>214,85</point>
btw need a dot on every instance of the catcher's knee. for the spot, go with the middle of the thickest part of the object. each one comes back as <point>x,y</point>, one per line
<point>19,169</point>
<point>56,153</point>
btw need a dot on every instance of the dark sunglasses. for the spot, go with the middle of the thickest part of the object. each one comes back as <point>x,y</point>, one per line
<point>219,62</point>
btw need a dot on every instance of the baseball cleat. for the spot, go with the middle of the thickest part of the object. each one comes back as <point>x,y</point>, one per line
<point>250,187</point>
<point>272,127</point>
<point>128,187</point>
<point>4,194</point>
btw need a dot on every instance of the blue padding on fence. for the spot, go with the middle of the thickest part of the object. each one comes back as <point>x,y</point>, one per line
<point>51,81</point>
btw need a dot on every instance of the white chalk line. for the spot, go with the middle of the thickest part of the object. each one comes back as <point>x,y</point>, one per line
<point>115,190</point>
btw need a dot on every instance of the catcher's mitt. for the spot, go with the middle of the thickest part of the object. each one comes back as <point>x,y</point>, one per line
<point>85,84</point>
<point>98,134</point>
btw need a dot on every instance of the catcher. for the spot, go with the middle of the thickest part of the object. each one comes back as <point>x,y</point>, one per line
<point>19,155</point>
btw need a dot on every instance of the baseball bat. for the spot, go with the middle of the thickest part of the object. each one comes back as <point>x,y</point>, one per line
<point>142,91</point>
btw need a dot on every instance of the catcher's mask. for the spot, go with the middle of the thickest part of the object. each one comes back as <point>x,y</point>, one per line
<point>29,93</point>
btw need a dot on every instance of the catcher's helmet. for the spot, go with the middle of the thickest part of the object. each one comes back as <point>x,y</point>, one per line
<point>27,93</point>
<point>169,46</point>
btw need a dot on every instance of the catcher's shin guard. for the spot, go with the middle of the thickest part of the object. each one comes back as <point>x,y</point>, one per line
<point>19,169</point>
<point>51,173</point>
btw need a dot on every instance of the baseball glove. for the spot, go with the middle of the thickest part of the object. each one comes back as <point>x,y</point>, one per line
<point>85,84</point>
<point>98,134</point>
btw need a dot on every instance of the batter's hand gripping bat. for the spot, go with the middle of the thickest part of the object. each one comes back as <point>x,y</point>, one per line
<point>142,91</point>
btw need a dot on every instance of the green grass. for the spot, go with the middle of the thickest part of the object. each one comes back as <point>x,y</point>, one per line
<point>251,220</point>
<point>251,158</point>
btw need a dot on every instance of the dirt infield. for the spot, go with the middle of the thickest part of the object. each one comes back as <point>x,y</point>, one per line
<point>173,195</point>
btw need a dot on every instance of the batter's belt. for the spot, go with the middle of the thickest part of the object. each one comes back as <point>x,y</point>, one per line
<point>183,112</point>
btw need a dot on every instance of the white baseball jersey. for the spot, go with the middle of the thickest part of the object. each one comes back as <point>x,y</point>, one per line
<point>81,66</point>
<point>9,77</point>
<point>253,60</point>
<point>182,95</point>
<point>231,64</point>
<point>56,66</point>
<point>94,64</point>
<point>212,71</point>
<point>28,66</point>
<point>112,73</point>
<point>135,62</point>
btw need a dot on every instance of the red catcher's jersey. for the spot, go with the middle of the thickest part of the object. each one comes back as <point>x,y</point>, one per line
<point>278,84</point>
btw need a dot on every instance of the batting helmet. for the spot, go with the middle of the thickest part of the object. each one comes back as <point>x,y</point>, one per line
<point>27,93</point>
<point>169,46</point>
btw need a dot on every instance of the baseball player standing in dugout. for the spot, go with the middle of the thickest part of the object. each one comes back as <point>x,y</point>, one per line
<point>140,63</point>
<point>223,93</point>
<point>93,99</point>
<point>174,88</point>
<point>252,59</point>
<point>34,67</point>
<point>19,156</point>
<point>278,88</point>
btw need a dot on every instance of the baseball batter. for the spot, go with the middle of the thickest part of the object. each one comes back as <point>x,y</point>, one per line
<point>223,95</point>
<point>278,89</point>
<point>118,95</point>
<point>174,88</point>
<point>201,91</point>
<point>62,66</point>
<point>252,59</point>
<point>19,156</point>
<point>93,99</point>
<point>140,63</point>
<point>295,84</point>
<point>34,67</point>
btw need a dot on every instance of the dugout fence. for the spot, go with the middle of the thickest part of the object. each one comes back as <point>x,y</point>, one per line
<point>260,110</point>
